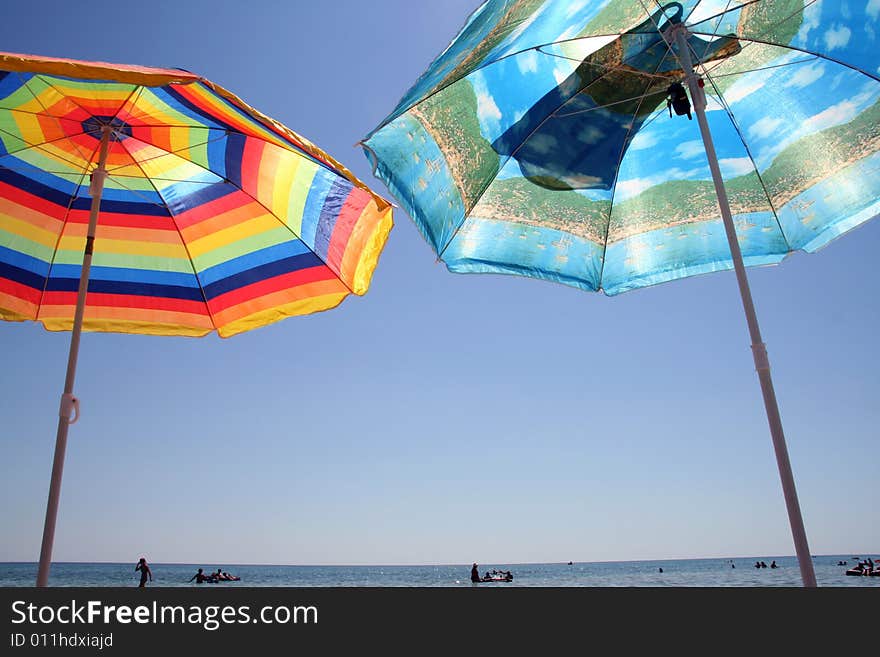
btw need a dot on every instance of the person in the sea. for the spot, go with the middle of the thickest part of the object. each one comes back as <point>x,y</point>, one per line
<point>773,564</point>
<point>145,572</point>
<point>475,574</point>
<point>200,577</point>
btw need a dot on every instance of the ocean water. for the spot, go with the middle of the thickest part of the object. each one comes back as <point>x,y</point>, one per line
<point>728,572</point>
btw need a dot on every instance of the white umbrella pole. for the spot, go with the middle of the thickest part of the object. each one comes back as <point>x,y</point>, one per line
<point>759,350</point>
<point>68,401</point>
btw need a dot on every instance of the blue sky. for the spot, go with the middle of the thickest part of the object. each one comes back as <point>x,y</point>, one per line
<point>441,418</point>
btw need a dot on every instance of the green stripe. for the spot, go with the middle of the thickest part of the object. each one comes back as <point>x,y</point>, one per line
<point>242,247</point>
<point>16,242</point>
<point>299,192</point>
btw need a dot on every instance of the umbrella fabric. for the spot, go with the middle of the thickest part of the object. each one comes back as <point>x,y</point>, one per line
<point>540,142</point>
<point>213,216</point>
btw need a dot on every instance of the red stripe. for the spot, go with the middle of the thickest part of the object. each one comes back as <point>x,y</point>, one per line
<point>212,209</point>
<point>65,110</point>
<point>43,206</point>
<point>268,286</point>
<point>251,157</point>
<point>20,291</point>
<point>120,220</point>
<point>125,301</point>
<point>346,221</point>
<point>31,201</point>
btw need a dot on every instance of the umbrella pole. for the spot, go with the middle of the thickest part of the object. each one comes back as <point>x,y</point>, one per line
<point>759,349</point>
<point>69,403</point>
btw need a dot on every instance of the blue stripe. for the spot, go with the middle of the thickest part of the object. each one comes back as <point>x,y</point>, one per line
<point>234,153</point>
<point>178,202</point>
<point>22,276</point>
<point>37,188</point>
<point>124,287</point>
<point>38,185</point>
<point>262,273</point>
<point>251,260</point>
<point>140,276</point>
<point>329,214</point>
<point>111,193</point>
<point>321,184</point>
<point>146,198</point>
<point>122,207</point>
<point>24,261</point>
<point>10,83</point>
<point>217,157</point>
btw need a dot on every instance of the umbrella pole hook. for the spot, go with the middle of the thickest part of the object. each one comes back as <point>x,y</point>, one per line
<point>759,349</point>
<point>69,403</point>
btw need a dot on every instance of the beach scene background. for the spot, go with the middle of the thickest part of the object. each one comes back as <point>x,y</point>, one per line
<point>731,572</point>
<point>442,418</point>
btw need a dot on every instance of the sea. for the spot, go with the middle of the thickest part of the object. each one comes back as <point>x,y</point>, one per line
<point>719,572</point>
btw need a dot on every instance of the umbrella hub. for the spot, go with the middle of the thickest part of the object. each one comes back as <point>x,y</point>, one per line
<point>94,127</point>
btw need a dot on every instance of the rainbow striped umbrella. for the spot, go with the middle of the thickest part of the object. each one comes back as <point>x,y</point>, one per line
<point>213,217</point>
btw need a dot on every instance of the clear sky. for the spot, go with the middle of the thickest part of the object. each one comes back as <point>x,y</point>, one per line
<point>441,418</point>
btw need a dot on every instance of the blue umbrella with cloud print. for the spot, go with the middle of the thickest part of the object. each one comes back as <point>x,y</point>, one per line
<point>616,144</point>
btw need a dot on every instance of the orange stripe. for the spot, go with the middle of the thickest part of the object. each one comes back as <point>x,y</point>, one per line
<point>208,211</point>
<point>228,218</point>
<point>261,288</point>
<point>61,315</point>
<point>135,234</point>
<point>32,216</point>
<point>277,313</point>
<point>363,228</point>
<point>51,128</point>
<point>20,308</point>
<point>280,298</point>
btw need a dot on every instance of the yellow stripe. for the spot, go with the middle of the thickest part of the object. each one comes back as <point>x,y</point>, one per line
<point>173,168</point>
<point>222,238</point>
<point>59,157</point>
<point>276,314</point>
<point>280,183</point>
<point>370,255</point>
<point>153,110</point>
<point>76,244</point>
<point>31,225</point>
<point>127,320</point>
<point>43,98</point>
